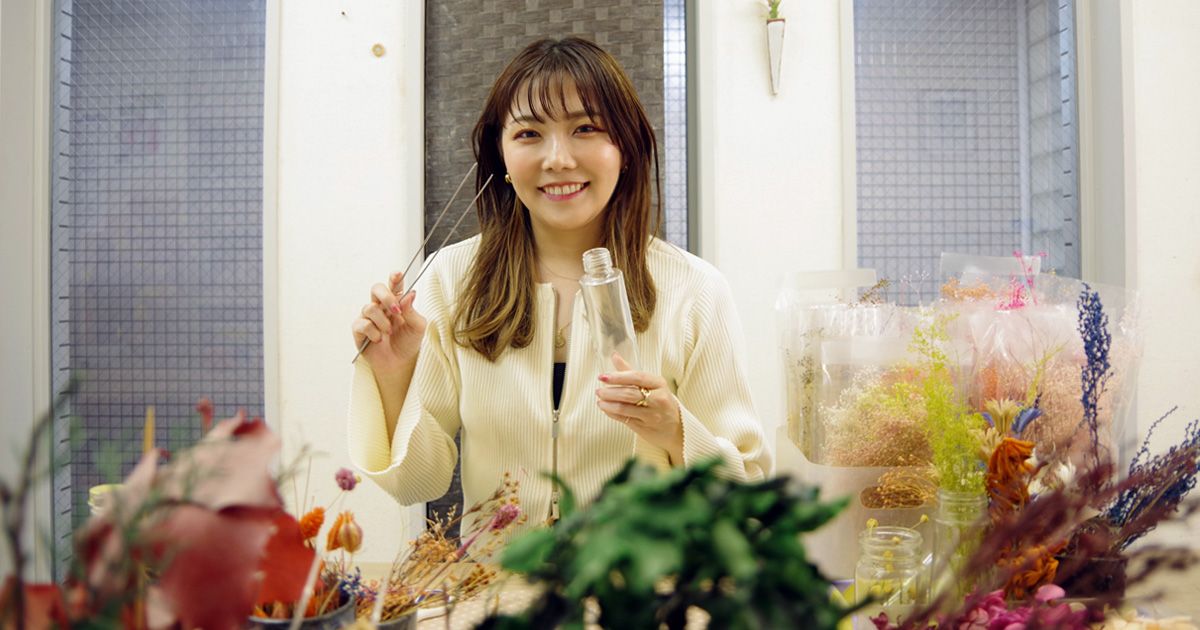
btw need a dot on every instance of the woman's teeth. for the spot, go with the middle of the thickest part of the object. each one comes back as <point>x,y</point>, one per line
<point>564,190</point>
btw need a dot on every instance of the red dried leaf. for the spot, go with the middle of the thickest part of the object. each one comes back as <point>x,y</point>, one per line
<point>211,566</point>
<point>286,562</point>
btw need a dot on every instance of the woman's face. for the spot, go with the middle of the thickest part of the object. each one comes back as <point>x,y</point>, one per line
<point>563,169</point>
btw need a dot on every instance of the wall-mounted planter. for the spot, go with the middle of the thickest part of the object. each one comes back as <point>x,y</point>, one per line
<point>775,50</point>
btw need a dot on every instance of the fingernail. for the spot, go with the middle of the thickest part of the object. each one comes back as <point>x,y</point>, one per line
<point>395,308</point>
<point>604,378</point>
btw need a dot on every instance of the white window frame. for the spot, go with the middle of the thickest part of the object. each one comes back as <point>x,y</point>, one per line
<point>25,54</point>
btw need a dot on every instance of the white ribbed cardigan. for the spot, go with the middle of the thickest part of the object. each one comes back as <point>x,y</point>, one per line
<point>505,409</point>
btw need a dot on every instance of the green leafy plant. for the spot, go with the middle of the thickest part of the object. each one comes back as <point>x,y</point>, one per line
<point>950,424</point>
<point>773,9</point>
<point>654,545</point>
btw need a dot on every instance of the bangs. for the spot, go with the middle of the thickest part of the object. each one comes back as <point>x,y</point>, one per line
<point>542,92</point>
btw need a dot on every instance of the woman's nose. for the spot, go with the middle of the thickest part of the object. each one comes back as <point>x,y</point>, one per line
<point>558,155</point>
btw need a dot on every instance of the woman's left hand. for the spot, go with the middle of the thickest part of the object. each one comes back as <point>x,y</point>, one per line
<point>643,403</point>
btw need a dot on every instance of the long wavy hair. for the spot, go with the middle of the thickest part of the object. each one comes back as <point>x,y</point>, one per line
<point>496,310</point>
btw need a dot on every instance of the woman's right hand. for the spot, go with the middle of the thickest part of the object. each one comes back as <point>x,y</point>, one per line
<point>394,327</point>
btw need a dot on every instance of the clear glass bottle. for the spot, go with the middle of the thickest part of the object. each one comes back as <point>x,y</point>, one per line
<point>958,527</point>
<point>609,318</point>
<point>891,572</point>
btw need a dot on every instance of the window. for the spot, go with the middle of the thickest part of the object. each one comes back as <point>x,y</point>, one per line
<point>966,135</point>
<point>156,229</point>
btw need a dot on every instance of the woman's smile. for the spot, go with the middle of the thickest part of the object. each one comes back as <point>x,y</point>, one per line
<point>563,191</point>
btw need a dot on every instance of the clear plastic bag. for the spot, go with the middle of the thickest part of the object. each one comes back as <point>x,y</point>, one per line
<point>1034,355</point>
<point>806,308</point>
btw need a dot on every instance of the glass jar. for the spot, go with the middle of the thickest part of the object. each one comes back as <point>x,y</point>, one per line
<point>890,572</point>
<point>958,526</point>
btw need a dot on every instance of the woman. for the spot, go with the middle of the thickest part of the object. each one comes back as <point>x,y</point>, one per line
<point>499,348</point>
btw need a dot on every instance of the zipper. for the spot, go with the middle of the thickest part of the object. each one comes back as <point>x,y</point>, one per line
<point>553,516</point>
<point>554,495</point>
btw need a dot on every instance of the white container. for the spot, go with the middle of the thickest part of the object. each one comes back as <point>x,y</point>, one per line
<point>775,50</point>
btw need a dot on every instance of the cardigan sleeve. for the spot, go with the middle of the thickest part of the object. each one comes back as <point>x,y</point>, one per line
<point>418,462</point>
<point>714,395</point>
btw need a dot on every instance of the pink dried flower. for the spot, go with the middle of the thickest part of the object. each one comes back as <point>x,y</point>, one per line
<point>205,407</point>
<point>1049,592</point>
<point>505,516</point>
<point>346,479</point>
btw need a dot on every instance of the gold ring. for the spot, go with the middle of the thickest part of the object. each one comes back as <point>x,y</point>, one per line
<point>645,397</point>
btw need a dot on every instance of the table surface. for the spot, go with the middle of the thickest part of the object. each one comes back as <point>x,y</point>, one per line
<point>1163,595</point>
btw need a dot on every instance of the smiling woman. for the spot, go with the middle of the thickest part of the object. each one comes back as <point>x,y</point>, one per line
<point>542,149</point>
<point>564,129</point>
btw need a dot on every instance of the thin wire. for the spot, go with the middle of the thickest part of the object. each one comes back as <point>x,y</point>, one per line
<point>429,261</point>
<point>438,220</point>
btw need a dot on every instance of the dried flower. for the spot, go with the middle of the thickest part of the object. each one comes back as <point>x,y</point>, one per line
<point>205,407</point>
<point>505,516</point>
<point>424,574</point>
<point>902,488</point>
<point>1008,475</point>
<point>1093,328</point>
<point>1165,480</point>
<point>345,533</point>
<point>310,523</point>
<point>953,290</point>
<point>1054,477</point>
<point>346,479</point>
<point>991,611</point>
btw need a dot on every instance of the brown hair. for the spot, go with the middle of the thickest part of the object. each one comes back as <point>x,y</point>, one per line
<point>496,310</point>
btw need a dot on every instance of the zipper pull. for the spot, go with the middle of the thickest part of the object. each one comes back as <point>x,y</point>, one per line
<point>554,426</point>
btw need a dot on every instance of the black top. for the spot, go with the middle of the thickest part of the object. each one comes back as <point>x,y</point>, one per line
<point>560,373</point>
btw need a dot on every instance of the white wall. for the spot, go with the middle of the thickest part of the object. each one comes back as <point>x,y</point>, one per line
<point>1163,187</point>
<point>24,247</point>
<point>349,190</point>
<point>770,167</point>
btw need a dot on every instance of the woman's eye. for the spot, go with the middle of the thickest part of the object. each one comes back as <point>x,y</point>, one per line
<point>587,129</point>
<point>525,134</point>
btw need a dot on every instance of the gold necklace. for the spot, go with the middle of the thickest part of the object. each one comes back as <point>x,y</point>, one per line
<point>550,271</point>
<point>560,339</point>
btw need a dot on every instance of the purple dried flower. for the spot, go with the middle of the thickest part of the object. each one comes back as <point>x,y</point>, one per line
<point>346,479</point>
<point>1093,328</point>
<point>1163,482</point>
<point>1024,418</point>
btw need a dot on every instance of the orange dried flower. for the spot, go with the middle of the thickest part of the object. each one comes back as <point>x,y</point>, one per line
<point>1036,567</point>
<point>1008,475</point>
<point>344,534</point>
<point>310,524</point>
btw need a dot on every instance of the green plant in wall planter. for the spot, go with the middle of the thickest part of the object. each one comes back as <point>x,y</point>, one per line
<point>654,545</point>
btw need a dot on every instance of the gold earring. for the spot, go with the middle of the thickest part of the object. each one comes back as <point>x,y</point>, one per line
<point>507,178</point>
